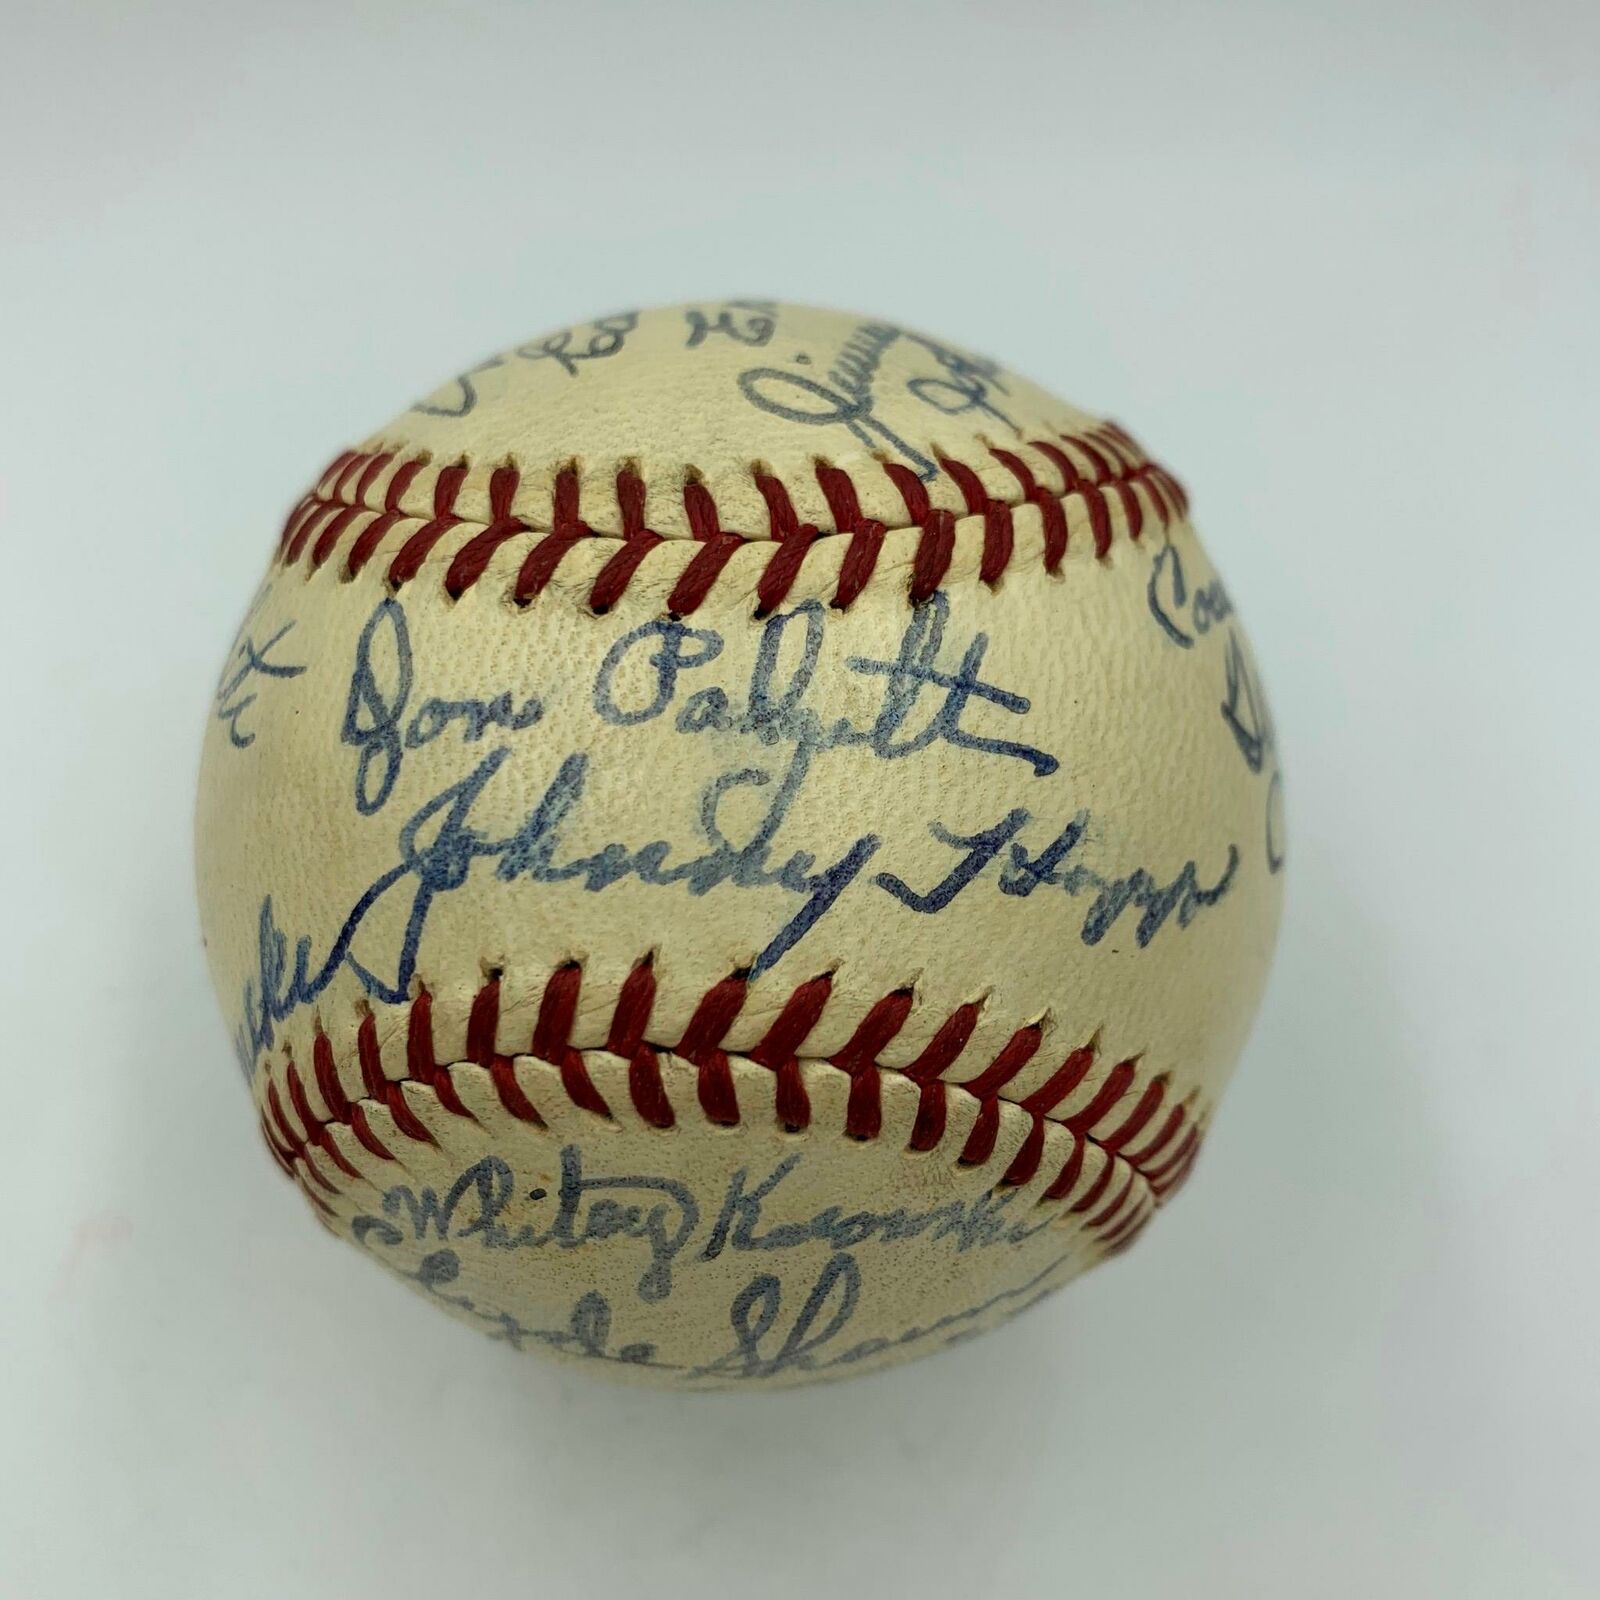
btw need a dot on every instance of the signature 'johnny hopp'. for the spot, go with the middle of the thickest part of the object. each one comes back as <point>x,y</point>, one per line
<point>739,844</point>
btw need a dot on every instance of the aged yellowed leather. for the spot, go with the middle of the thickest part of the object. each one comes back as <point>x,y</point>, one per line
<point>739,844</point>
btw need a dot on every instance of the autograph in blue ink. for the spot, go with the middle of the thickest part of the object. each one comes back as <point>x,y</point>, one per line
<point>764,1346</point>
<point>664,1214</point>
<point>961,384</point>
<point>376,724</point>
<point>1182,612</point>
<point>923,701</point>
<point>607,335</point>
<point>249,663</point>
<point>747,322</point>
<point>1188,612</point>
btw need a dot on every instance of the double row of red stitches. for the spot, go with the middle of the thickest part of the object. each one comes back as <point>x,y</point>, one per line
<point>1162,1156</point>
<point>345,493</point>
<point>410,556</point>
<point>568,530</point>
<point>717,548</point>
<point>1052,514</point>
<point>474,556</point>
<point>328,519</point>
<point>999,537</point>
<point>865,533</point>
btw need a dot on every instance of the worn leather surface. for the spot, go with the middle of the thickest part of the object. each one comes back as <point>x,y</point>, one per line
<point>1051,798</point>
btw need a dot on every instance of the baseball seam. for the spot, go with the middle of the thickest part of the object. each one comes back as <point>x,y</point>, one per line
<point>367,501</point>
<point>1143,1149</point>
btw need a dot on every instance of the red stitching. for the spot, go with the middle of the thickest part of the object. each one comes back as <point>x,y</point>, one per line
<point>637,542</point>
<point>1062,1082</point>
<point>864,1110</point>
<point>414,551</point>
<point>1162,1161</point>
<point>372,536</point>
<point>1117,470</point>
<point>316,529</point>
<point>647,1091</point>
<point>934,550</point>
<point>632,1015</point>
<point>928,1129</point>
<point>474,555</point>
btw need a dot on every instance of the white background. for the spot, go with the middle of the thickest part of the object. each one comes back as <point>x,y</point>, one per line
<point>1337,264</point>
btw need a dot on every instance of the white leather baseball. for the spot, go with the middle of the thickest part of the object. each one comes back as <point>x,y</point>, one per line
<point>739,844</point>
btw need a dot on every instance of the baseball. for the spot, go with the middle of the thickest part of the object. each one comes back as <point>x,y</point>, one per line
<point>739,844</point>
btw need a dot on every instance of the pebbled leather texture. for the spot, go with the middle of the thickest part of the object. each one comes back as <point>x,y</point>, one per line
<point>739,844</point>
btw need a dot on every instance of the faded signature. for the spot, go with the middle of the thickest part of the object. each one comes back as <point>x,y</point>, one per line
<point>771,1332</point>
<point>847,395</point>
<point>926,692</point>
<point>247,666</point>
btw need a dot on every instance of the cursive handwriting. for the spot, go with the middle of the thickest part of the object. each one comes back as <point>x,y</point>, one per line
<point>749,322</point>
<point>1180,899</point>
<point>1249,719</point>
<point>662,1214</point>
<point>1183,614</point>
<point>924,697</point>
<point>460,395</point>
<point>764,1348</point>
<point>1186,613</point>
<point>741,1223</point>
<point>763,1345</point>
<point>771,1335</point>
<point>964,383</point>
<point>250,661</point>
<point>774,706</point>
<point>440,843</point>
<point>1244,707</point>
<point>587,1334</point>
<point>375,722</point>
<point>659,1211</point>
<point>849,397</point>
<point>607,335</point>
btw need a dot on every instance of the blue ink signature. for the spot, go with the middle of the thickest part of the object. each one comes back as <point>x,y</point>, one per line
<point>748,322</point>
<point>1187,613</point>
<point>774,708</point>
<point>963,383</point>
<point>1244,707</point>
<point>442,841</point>
<point>375,723</point>
<point>1184,615</point>
<point>249,662</point>
<point>439,845</point>
<point>810,1343</point>
<point>607,337</point>
<point>439,864</point>
<point>660,1211</point>
<point>663,1214</point>
<point>1249,720</point>
<point>762,1347</point>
